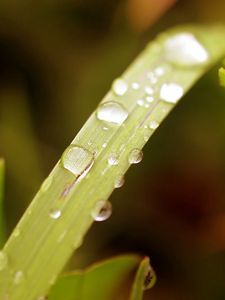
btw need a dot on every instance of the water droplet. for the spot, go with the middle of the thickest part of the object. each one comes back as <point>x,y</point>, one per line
<point>149,99</point>
<point>55,214</point>
<point>104,145</point>
<point>119,87</point>
<point>150,278</point>
<point>140,102</point>
<point>105,128</point>
<point>185,50</point>
<point>102,211</point>
<point>18,277</point>
<point>46,184</point>
<point>135,85</point>
<point>113,159</point>
<point>153,125</point>
<point>171,92</point>
<point>112,112</point>
<point>149,90</point>
<point>159,71</point>
<point>135,156</point>
<point>3,260</point>
<point>119,182</point>
<point>147,105</point>
<point>152,78</point>
<point>77,160</point>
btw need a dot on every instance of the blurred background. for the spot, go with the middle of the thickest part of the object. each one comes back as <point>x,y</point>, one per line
<point>57,60</point>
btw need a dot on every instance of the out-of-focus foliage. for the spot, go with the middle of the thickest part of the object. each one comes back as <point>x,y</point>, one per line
<point>57,60</point>
<point>111,279</point>
<point>222,76</point>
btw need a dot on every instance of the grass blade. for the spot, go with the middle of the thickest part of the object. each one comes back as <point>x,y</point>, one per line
<point>62,211</point>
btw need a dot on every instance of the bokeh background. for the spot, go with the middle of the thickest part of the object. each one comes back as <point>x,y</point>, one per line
<point>57,60</point>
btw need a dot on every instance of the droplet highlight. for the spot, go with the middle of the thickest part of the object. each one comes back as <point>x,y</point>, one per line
<point>102,211</point>
<point>119,182</point>
<point>3,260</point>
<point>55,214</point>
<point>171,92</point>
<point>153,125</point>
<point>112,113</point>
<point>135,156</point>
<point>77,160</point>
<point>113,159</point>
<point>119,87</point>
<point>185,50</point>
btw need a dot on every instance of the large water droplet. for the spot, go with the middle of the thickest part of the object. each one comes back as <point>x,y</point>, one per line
<point>77,160</point>
<point>150,278</point>
<point>171,92</point>
<point>18,277</point>
<point>185,50</point>
<point>102,211</point>
<point>112,112</point>
<point>55,214</point>
<point>113,159</point>
<point>119,182</point>
<point>3,260</point>
<point>119,87</point>
<point>135,156</point>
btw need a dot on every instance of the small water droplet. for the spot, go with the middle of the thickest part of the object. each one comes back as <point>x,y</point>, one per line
<point>112,112</point>
<point>152,78</point>
<point>149,90</point>
<point>149,99</point>
<point>147,105</point>
<point>3,260</point>
<point>159,71</point>
<point>104,145</point>
<point>46,184</point>
<point>55,214</point>
<point>77,160</point>
<point>119,87</point>
<point>135,156</point>
<point>113,159</point>
<point>171,92</point>
<point>102,211</point>
<point>153,125</point>
<point>105,128</point>
<point>185,50</point>
<point>18,277</point>
<point>135,85</point>
<point>150,278</point>
<point>140,102</point>
<point>119,182</point>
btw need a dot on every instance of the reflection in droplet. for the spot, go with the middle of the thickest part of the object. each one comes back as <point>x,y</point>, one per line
<point>112,113</point>
<point>135,156</point>
<point>135,85</point>
<point>119,87</point>
<point>140,102</point>
<point>149,90</point>
<point>77,159</point>
<point>153,125</point>
<point>119,182</point>
<point>185,50</point>
<point>171,92</point>
<point>102,211</point>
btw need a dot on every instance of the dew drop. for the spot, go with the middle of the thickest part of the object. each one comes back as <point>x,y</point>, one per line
<point>135,156</point>
<point>119,87</point>
<point>119,182</point>
<point>171,92</point>
<point>104,145</point>
<point>135,85</point>
<point>150,278</point>
<point>185,50</point>
<point>18,277</point>
<point>149,99</point>
<point>3,260</point>
<point>112,112</point>
<point>149,90</point>
<point>113,159</point>
<point>55,214</point>
<point>153,125</point>
<point>105,128</point>
<point>46,184</point>
<point>159,71</point>
<point>140,102</point>
<point>152,78</point>
<point>102,211</point>
<point>77,160</point>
